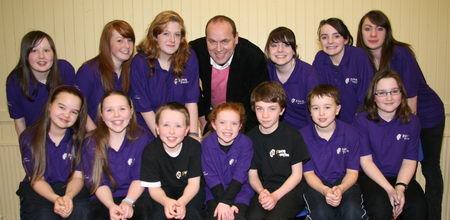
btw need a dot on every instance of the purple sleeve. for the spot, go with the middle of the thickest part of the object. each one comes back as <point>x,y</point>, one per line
<point>308,166</point>
<point>84,79</point>
<point>210,174</point>
<point>312,80</point>
<point>364,142</point>
<point>353,159</point>
<point>140,94</point>
<point>244,160</point>
<point>409,71</point>
<point>12,92</point>
<point>412,150</point>
<point>192,73</point>
<point>67,72</point>
<point>27,157</point>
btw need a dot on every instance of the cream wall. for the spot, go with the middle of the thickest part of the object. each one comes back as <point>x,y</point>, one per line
<point>76,25</point>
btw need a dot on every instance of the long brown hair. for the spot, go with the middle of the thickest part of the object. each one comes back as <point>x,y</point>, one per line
<point>22,70</point>
<point>387,51</point>
<point>41,128</point>
<point>403,111</point>
<point>150,46</point>
<point>101,137</point>
<point>105,62</point>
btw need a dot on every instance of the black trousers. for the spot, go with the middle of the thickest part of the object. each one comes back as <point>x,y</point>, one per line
<point>194,209</point>
<point>286,208</point>
<point>141,210</point>
<point>377,202</point>
<point>431,169</point>
<point>35,207</point>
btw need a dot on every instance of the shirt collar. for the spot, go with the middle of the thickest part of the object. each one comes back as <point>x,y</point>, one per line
<point>221,67</point>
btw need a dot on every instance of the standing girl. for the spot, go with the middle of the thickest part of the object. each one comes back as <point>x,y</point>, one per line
<point>37,72</point>
<point>50,151</point>
<point>226,158</point>
<point>112,160</point>
<point>375,37</point>
<point>165,70</point>
<point>296,76</point>
<point>341,65</point>
<point>389,151</point>
<point>110,69</point>
<point>171,166</point>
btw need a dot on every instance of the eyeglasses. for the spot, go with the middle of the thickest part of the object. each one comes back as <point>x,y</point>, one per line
<point>385,93</point>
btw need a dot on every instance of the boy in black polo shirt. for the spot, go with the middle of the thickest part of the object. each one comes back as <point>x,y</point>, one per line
<point>279,152</point>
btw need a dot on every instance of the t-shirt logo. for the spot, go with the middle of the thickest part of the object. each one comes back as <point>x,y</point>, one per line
<point>67,155</point>
<point>130,161</point>
<point>297,101</point>
<point>280,153</point>
<point>180,81</point>
<point>342,150</point>
<point>402,137</point>
<point>232,161</point>
<point>351,80</point>
<point>180,174</point>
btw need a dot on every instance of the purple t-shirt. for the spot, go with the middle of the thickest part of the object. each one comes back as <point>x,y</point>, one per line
<point>18,104</point>
<point>389,142</point>
<point>221,168</point>
<point>430,108</point>
<point>125,164</point>
<point>352,77</point>
<point>89,81</point>
<point>303,78</point>
<point>331,159</point>
<point>58,164</point>
<point>148,92</point>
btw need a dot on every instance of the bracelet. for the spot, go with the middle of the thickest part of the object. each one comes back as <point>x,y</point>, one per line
<point>128,200</point>
<point>193,134</point>
<point>402,184</point>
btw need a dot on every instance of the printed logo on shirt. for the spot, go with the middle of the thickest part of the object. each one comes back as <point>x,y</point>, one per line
<point>180,81</point>
<point>180,174</point>
<point>67,155</point>
<point>342,150</point>
<point>280,153</point>
<point>205,173</point>
<point>26,160</point>
<point>297,101</point>
<point>351,80</point>
<point>232,161</point>
<point>404,137</point>
<point>130,161</point>
<point>137,97</point>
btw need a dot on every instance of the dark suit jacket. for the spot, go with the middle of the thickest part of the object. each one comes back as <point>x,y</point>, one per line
<point>247,70</point>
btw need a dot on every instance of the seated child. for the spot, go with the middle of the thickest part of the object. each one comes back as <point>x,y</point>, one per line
<point>171,166</point>
<point>332,172</point>
<point>279,150</point>
<point>226,158</point>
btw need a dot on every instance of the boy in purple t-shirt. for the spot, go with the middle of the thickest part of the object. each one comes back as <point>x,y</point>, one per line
<point>332,172</point>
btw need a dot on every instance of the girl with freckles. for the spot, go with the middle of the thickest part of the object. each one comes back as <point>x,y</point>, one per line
<point>389,138</point>
<point>50,150</point>
<point>111,161</point>
<point>226,158</point>
<point>342,65</point>
<point>165,70</point>
<point>110,69</point>
<point>37,72</point>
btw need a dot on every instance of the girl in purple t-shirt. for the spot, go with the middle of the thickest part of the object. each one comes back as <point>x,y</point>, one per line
<point>37,72</point>
<point>111,161</point>
<point>375,36</point>
<point>389,151</point>
<point>165,70</point>
<point>110,69</point>
<point>50,151</point>
<point>226,158</point>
